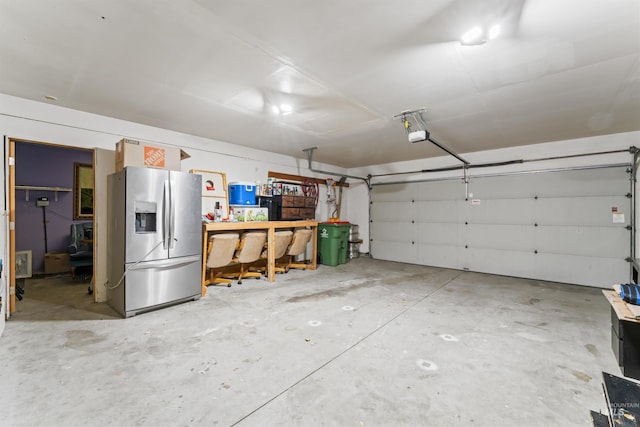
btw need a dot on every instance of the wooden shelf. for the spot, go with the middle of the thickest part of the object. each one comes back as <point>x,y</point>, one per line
<point>298,179</point>
<point>28,188</point>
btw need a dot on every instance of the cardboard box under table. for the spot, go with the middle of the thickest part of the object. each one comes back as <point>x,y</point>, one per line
<point>56,262</point>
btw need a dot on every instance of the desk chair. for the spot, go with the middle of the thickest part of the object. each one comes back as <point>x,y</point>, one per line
<point>248,252</point>
<point>282,239</point>
<point>299,241</point>
<point>220,252</point>
<point>81,246</point>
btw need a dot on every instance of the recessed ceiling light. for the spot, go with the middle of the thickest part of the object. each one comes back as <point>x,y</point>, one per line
<point>51,97</point>
<point>275,109</point>
<point>494,31</point>
<point>286,108</point>
<point>472,36</point>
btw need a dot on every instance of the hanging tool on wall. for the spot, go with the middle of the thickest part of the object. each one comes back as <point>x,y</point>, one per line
<point>335,217</point>
<point>43,202</point>
<point>332,199</point>
<point>331,192</point>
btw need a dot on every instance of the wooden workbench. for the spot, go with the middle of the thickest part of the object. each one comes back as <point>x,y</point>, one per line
<point>624,311</point>
<point>270,227</point>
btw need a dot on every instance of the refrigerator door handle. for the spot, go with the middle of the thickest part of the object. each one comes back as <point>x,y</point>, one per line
<point>172,212</point>
<point>166,216</point>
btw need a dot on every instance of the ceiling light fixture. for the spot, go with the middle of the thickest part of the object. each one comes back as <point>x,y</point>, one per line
<point>472,36</point>
<point>494,31</point>
<point>282,110</point>
<point>478,35</point>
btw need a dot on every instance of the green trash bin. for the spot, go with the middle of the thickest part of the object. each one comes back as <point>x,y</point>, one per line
<point>333,242</point>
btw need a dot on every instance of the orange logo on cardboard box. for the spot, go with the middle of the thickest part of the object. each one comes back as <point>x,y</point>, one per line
<point>154,157</point>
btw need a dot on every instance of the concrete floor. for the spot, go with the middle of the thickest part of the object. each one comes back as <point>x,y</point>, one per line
<point>368,343</point>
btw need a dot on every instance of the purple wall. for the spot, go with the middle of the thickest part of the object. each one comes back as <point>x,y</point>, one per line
<point>45,166</point>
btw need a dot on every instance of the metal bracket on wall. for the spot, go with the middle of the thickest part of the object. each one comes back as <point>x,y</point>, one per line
<point>466,182</point>
<point>310,151</point>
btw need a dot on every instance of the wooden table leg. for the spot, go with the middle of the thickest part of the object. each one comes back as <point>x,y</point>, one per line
<point>271,254</point>
<point>205,236</point>
<point>314,250</point>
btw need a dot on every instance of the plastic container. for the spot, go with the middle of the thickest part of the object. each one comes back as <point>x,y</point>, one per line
<point>333,242</point>
<point>244,213</point>
<point>242,193</point>
<point>354,242</point>
<point>354,250</point>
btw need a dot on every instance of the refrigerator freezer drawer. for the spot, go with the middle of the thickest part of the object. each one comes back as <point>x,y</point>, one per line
<point>156,283</point>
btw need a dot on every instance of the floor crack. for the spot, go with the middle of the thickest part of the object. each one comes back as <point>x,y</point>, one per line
<point>352,346</point>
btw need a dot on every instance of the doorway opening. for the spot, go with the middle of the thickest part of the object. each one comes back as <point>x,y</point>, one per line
<point>52,244</point>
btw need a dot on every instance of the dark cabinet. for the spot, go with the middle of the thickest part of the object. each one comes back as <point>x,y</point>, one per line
<point>290,207</point>
<point>625,342</point>
<point>625,336</point>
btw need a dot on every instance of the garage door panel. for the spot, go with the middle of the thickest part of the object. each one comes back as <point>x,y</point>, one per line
<point>439,190</point>
<point>591,271</point>
<point>464,210</point>
<point>394,251</point>
<point>501,211</point>
<point>437,233</point>
<point>504,237</point>
<point>580,210</point>
<point>393,231</point>
<point>393,211</point>
<point>394,193</point>
<point>590,182</point>
<point>437,211</point>
<point>515,187</point>
<point>438,255</point>
<point>584,241</point>
<point>576,238</point>
<point>495,261</point>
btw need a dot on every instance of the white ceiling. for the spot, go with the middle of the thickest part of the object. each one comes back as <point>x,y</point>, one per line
<point>561,69</point>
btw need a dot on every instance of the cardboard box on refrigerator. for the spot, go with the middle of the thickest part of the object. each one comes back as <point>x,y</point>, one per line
<point>130,152</point>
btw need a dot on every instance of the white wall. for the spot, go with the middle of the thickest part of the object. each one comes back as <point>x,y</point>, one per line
<point>358,195</point>
<point>43,122</point>
<point>35,121</point>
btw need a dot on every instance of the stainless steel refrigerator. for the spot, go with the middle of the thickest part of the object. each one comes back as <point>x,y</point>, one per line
<point>155,239</point>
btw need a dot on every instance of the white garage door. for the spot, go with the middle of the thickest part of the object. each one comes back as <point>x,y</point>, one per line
<point>566,226</point>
